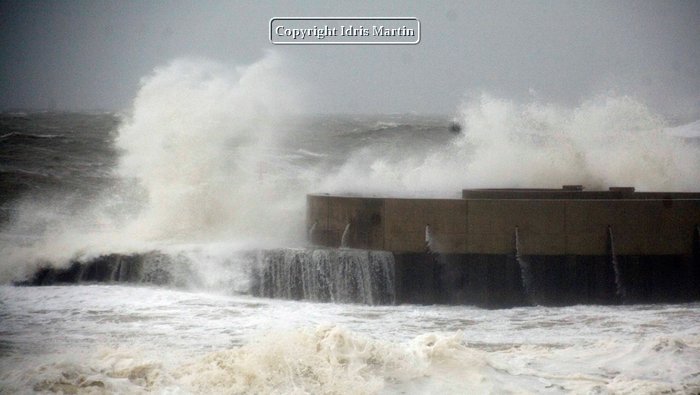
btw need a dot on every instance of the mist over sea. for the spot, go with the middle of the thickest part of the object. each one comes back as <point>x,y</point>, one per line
<point>211,163</point>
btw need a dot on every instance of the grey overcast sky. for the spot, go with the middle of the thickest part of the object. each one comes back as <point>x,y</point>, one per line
<point>92,54</point>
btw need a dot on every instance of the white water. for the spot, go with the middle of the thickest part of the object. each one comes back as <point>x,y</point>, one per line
<point>132,339</point>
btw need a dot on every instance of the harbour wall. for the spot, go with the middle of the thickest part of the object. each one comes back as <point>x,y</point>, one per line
<point>502,248</point>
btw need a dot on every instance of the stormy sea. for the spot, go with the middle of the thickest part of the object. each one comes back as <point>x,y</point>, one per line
<point>160,249</point>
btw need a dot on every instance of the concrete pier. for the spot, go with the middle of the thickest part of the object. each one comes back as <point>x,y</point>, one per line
<point>565,244</point>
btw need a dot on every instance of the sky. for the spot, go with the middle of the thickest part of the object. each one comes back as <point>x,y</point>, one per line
<point>88,55</point>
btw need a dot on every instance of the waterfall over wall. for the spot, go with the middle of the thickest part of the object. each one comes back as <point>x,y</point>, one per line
<point>344,275</point>
<point>325,275</point>
<point>381,277</point>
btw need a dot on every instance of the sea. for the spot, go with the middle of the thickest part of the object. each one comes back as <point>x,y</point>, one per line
<point>204,179</point>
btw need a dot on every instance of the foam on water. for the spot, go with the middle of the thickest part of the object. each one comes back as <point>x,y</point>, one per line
<point>125,339</point>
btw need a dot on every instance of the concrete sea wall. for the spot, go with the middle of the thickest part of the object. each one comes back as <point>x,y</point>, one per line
<point>616,246</point>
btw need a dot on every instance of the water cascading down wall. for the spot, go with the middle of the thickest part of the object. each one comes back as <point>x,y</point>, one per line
<point>500,248</point>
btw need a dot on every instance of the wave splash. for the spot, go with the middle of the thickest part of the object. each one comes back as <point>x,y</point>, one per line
<point>202,141</point>
<point>199,163</point>
<point>605,141</point>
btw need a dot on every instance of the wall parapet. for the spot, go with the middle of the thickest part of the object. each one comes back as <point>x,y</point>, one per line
<point>483,222</point>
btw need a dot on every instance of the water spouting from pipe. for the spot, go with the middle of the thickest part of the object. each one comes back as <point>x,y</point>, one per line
<point>619,286</point>
<point>312,230</point>
<point>428,240</point>
<point>525,270</point>
<point>344,238</point>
